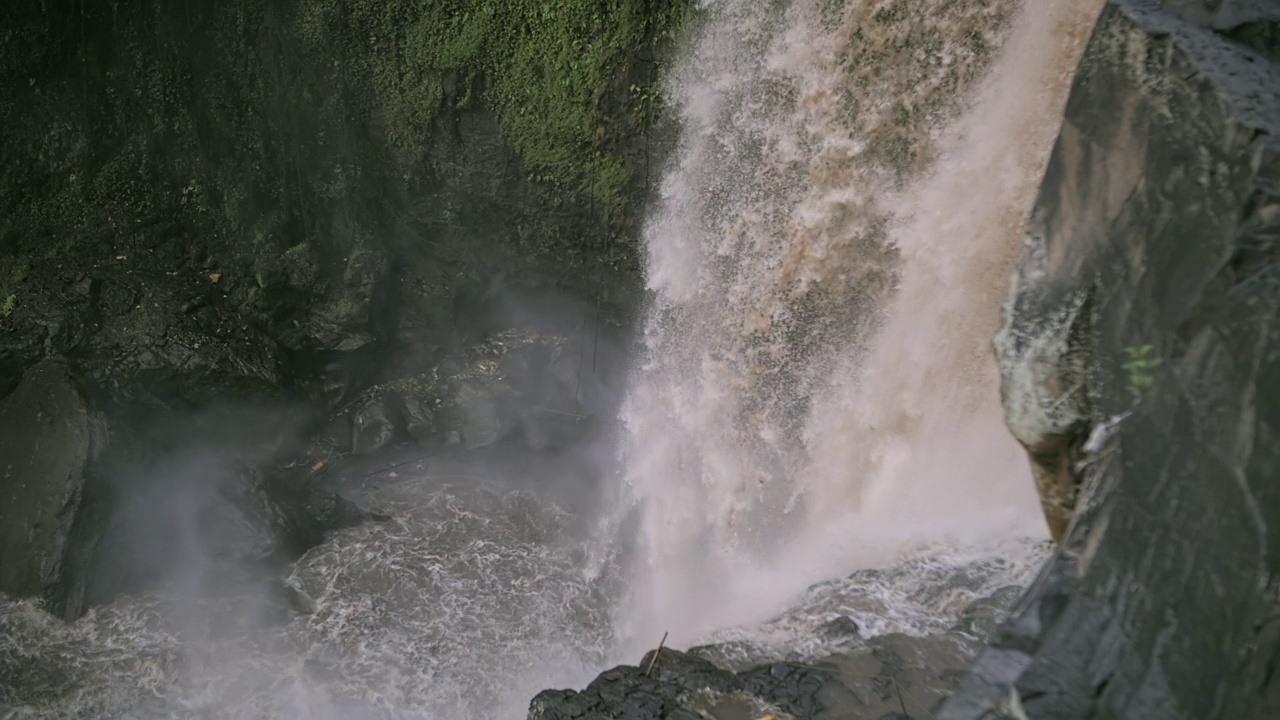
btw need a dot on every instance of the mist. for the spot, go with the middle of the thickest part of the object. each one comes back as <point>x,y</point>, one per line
<point>823,339</point>
<point>515,489</point>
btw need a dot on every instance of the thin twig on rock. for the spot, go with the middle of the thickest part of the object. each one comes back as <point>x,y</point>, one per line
<point>902,703</point>
<point>656,653</point>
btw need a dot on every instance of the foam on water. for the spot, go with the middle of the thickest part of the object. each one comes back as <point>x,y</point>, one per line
<point>921,592</point>
<point>463,604</point>
<point>826,259</point>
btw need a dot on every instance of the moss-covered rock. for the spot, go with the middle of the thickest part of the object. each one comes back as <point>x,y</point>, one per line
<point>292,154</point>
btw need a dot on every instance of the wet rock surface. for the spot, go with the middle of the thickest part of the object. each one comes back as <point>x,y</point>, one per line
<point>887,674</point>
<point>1140,370</point>
<point>48,440</point>
<point>514,382</point>
<point>845,675</point>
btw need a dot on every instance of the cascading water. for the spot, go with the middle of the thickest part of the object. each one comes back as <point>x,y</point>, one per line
<point>826,261</point>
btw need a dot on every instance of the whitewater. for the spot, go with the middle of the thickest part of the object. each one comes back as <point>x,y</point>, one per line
<point>826,257</point>
<point>827,262</point>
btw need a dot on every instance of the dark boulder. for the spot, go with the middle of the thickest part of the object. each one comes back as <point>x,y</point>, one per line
<point>883,675</point>
<point>48,440</point>
<point>673,686</point>
<point>1141,369</point>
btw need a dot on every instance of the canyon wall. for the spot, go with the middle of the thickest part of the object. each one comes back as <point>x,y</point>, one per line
<point>1140,364</point>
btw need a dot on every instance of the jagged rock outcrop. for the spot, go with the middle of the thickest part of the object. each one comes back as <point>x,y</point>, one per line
<point>1141,365</point>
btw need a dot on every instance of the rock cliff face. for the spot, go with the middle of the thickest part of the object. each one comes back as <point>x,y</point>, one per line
<point>1141,362</point>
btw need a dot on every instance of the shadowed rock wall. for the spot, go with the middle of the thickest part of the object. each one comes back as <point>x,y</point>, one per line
<point>1141,366</point>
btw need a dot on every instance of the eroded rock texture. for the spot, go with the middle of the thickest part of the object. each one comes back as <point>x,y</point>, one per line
<point>1141,369</point>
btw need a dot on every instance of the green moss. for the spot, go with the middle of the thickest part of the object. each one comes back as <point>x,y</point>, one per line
<point>1139,369</point>
<point>547,69</point>
<point>351,309</point>
<point>300,266</point>
<point>273,141</point>
<point>9,283</point>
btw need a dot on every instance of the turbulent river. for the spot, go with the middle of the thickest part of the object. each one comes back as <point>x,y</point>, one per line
<point>826,256</point>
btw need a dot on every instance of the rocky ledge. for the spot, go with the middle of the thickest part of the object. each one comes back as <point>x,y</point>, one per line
<point>896,672</point>
<point>882,677</point>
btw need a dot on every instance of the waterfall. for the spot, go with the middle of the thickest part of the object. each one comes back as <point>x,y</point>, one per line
<point>826,261</point>
<point>826,258</point>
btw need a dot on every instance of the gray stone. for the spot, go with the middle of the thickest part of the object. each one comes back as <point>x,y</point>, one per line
<point>1154,237</point>
<point>419,418</point>
<point>475,413</point>
<point>48,438</point>
<point>373,427</point>
<point>983,615</point>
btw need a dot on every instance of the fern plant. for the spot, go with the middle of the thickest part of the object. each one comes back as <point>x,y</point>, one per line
<point>1139,368</point>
